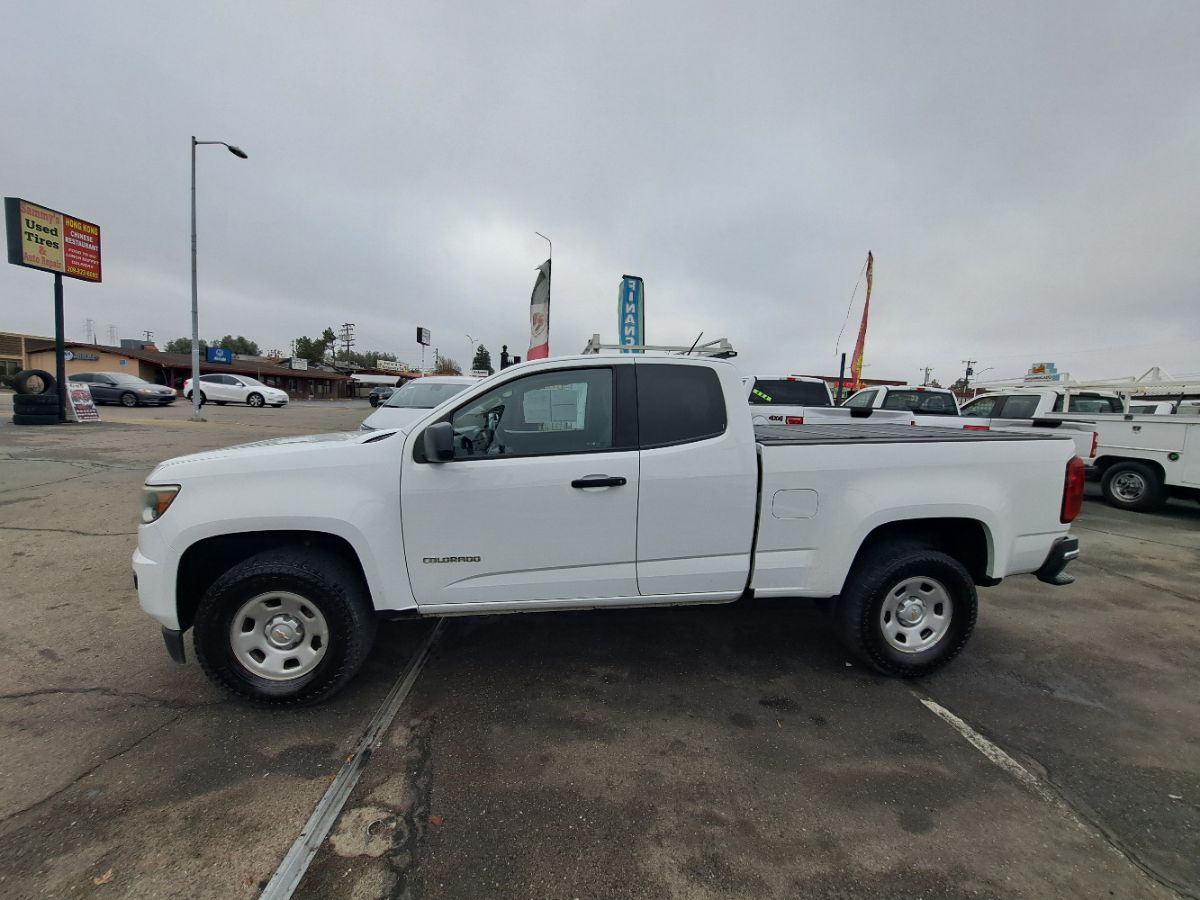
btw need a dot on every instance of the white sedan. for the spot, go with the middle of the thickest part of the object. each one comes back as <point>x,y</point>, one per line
<point>409,403</point>
<point>222,389</point>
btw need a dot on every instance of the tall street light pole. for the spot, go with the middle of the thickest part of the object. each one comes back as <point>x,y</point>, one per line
<point>240,154</point>
<point>471,353</point>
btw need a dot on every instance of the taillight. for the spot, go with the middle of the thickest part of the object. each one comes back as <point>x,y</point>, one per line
<point>976,428</point>
<point>1072,490</point>
<point>794,420</point>
<point>1095,441</point>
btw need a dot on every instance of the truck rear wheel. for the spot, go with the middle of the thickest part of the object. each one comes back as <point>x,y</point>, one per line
<point>284,627</point>
<point>1133,485</point>
<point>907,610</point>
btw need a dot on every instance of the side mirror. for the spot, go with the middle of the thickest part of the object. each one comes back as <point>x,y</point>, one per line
<point>439,442</point>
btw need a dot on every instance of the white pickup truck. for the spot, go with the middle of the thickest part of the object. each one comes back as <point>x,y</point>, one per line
<point>612,493</point>
<point>927,405</point>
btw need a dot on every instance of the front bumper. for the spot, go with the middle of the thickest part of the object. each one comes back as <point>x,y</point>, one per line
<point>1053,570</point>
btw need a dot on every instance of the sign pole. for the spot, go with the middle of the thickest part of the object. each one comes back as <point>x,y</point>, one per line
<point>60,363</point>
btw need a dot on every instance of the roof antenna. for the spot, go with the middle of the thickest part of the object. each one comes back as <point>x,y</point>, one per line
<point>694,343</point>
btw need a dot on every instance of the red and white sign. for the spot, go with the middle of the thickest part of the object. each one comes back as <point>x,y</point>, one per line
<point>81,406</point>
<point>539,315</point>
<point>43,238</point>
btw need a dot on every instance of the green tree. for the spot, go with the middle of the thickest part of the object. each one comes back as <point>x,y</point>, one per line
<point>366,359</point>
<point>238,344</point>
<point>444,365</point>
<point>315,350</point>
<point>184,345</point>
<point>482,360</point>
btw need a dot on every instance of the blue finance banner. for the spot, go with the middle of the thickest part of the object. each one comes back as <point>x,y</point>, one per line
<point>219,354</point>
<point>631,313</point>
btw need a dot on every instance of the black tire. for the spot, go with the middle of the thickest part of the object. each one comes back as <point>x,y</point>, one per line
<point>219,402</point>
<point>27,381</point>
<point>325,582</point>
<point>203,398</point>
<point>876,578</point>
<point>34,403</point>
<point>40,419</point>
<point>255,400</point>
<point>277,406</point>
<point>374,401</point>
<point>1133,485</point>
<point>129,400</point>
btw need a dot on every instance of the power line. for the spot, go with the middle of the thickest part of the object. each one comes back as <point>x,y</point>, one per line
<point>347,338</point>
<point>969,363</point>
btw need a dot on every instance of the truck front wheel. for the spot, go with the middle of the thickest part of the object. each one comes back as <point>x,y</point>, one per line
<point>907,611</point>
<point>284,627</point>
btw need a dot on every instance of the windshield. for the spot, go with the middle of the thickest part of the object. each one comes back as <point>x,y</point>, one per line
<point>424,394</point>
<point>784,392</point>
<point>926,402</point>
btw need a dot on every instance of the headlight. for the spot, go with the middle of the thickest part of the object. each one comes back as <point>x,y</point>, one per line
<point>156,499</point>
<point>147,391</point>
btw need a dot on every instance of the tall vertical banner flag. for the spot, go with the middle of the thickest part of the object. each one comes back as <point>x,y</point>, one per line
<point>631,312</point>
<point>539,315</point>
<point>856,364</point>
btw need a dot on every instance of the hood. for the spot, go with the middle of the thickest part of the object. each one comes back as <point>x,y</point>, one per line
<point>394,417</point>
<point>270,455</point>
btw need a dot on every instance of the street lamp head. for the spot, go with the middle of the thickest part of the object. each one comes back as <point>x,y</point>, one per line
<point>237,151</point>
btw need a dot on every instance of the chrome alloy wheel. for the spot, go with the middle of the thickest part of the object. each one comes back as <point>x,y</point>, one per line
<point>916,614</point>
<point>1129,486</point>
<point>279,636</point>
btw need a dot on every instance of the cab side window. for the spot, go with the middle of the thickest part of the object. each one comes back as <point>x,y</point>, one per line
<point>981,406</point>
<point>1020,407</point>
<point>551,413</point>
<point>862,401</point>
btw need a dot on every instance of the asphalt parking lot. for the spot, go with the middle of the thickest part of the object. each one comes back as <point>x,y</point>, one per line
<point>710,752</point>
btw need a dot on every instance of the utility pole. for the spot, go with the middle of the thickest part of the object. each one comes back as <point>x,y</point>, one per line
<point>969,363</point>
<point>347,338</point>
<point>926,370</point>
<point>89,330</point>
<point>149,336</point>
<point>112,336</point>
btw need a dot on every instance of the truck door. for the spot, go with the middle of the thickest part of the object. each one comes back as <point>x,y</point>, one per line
<point>699,481</point>
<point>539,502</point>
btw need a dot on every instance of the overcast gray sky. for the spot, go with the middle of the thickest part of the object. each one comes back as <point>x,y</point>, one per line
<point>1025,174</point>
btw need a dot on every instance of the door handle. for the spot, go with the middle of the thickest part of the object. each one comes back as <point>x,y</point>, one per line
<point>592,481</point>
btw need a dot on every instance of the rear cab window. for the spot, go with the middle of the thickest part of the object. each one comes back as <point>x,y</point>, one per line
<point>1090,403</point>
<point>788,392</point>
<point>678,404</point>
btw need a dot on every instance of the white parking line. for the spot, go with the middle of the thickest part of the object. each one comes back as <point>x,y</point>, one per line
<point>990,750</point>
<point>287,877</point>
<point>1001,759</point>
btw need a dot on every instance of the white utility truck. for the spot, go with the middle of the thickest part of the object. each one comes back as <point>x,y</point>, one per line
<point>1140,460</point>
<point>621,481</point>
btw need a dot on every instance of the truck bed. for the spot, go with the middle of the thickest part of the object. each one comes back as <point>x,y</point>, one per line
<point>788,435</point>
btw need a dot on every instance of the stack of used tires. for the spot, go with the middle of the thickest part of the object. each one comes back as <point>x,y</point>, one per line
<point>36,401</point>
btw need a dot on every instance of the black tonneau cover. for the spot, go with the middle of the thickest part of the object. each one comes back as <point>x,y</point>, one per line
<point>783,435</point>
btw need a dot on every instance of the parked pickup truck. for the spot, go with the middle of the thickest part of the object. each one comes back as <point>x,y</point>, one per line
<point>609,492</point>
<point>784,399</point>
